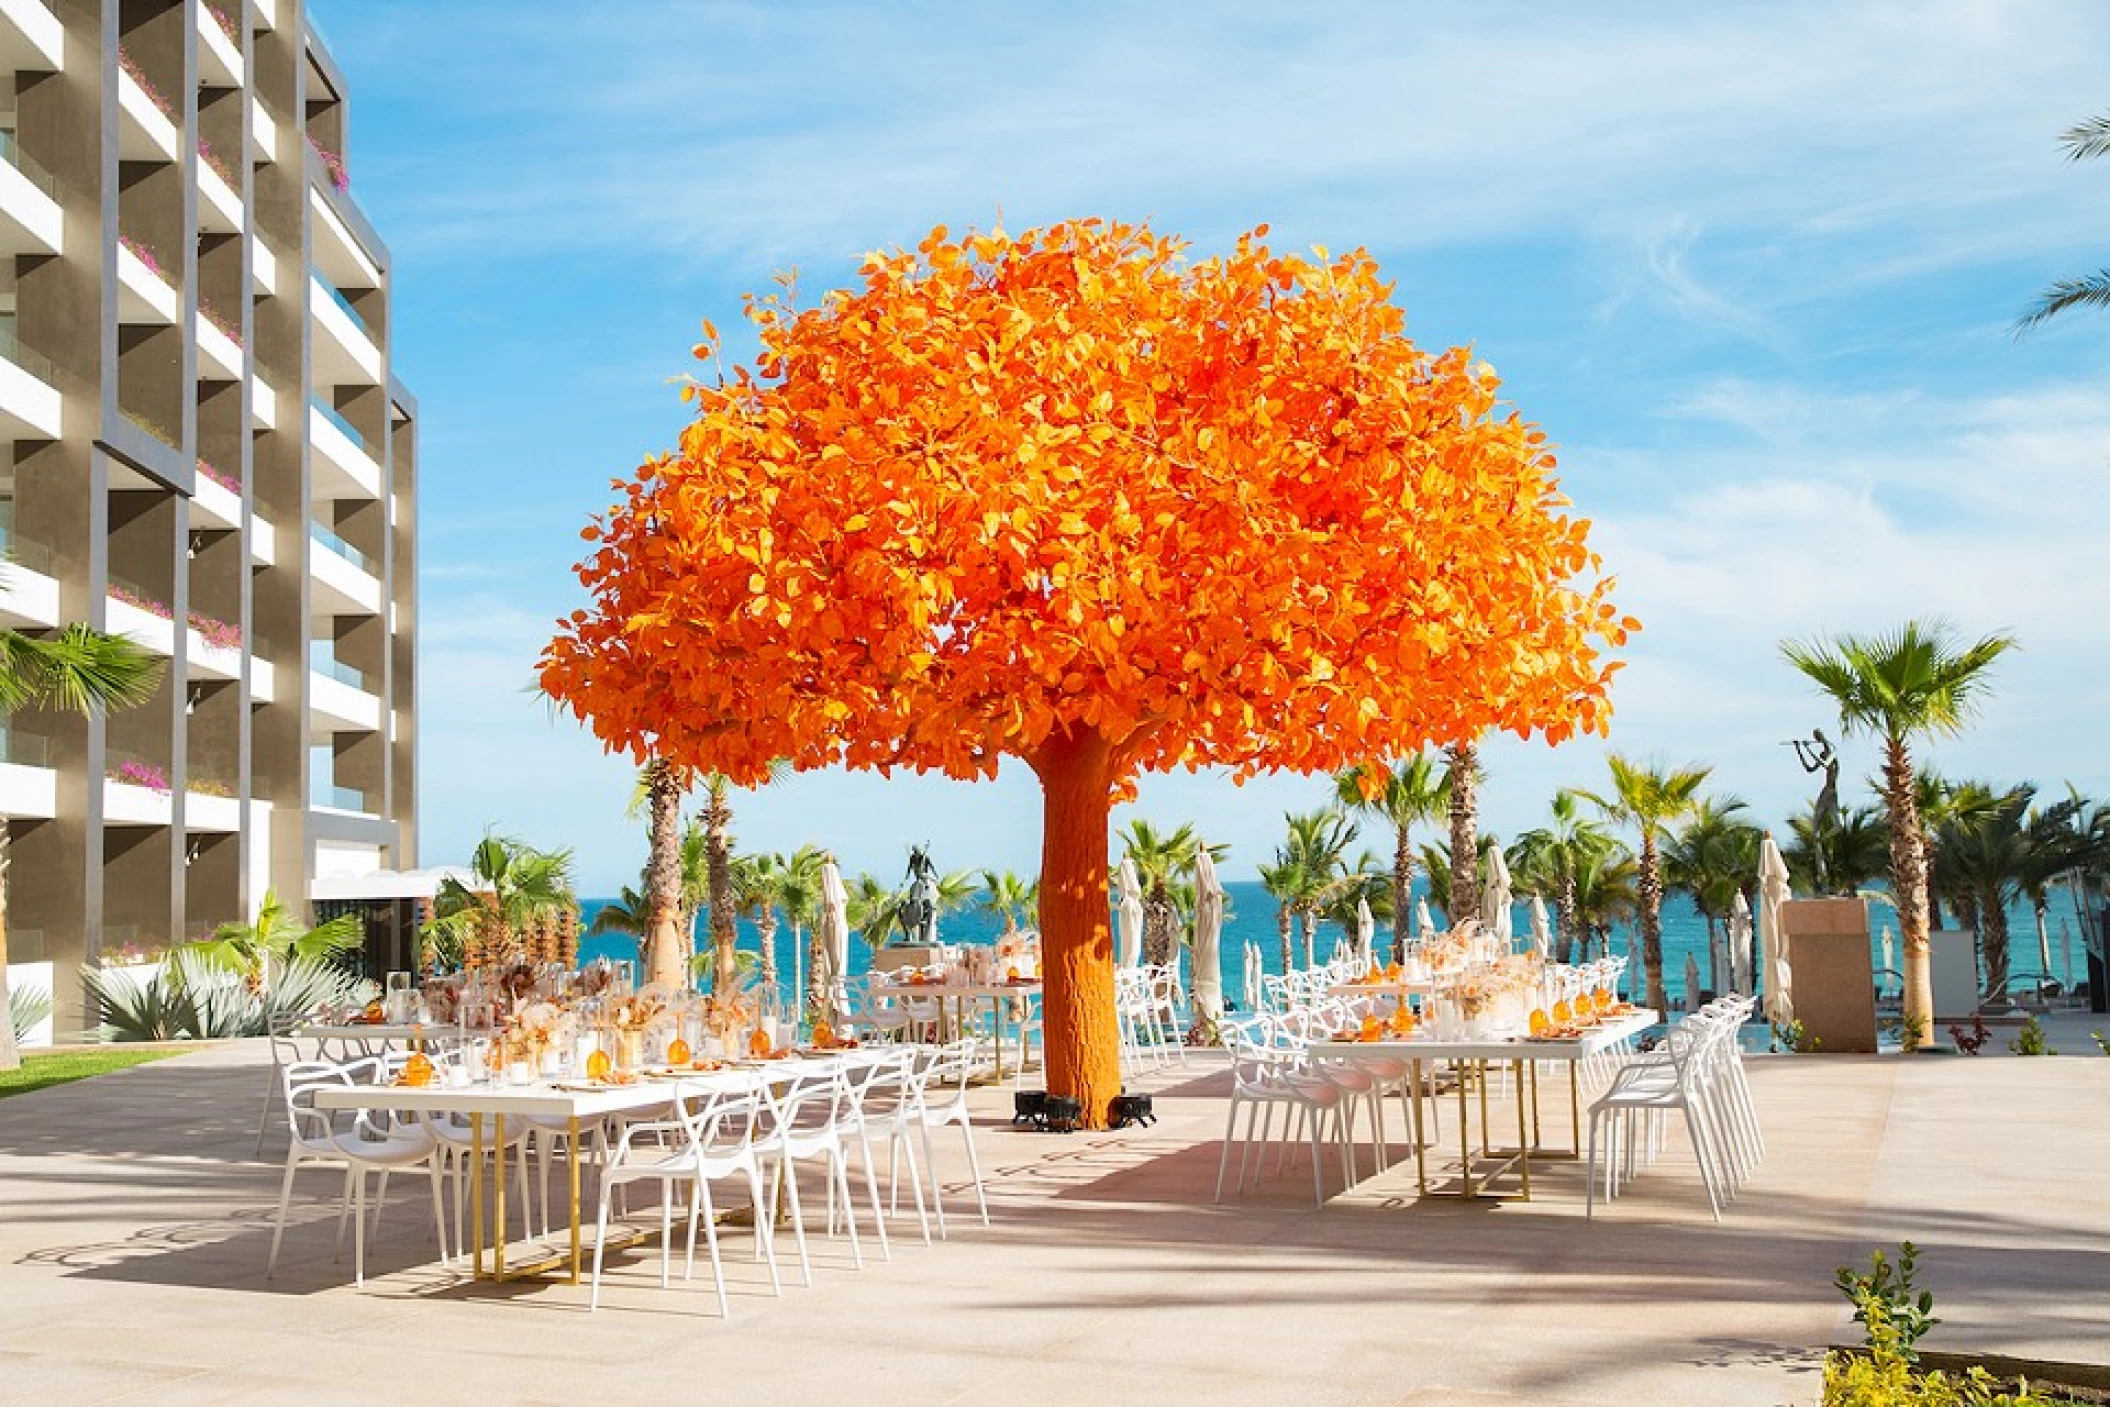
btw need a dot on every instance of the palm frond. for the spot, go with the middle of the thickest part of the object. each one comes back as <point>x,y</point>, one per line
<point>2086,140</point>
<point>80,670</point>
<point>2088,291</point>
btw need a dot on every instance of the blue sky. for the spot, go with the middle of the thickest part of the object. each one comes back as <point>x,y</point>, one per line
<point>1751,265</point>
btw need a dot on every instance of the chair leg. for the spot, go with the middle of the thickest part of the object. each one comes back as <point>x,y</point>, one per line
<point>930,1165</point>
<point>1223,1163</point>
<point>600,1242</point>
<point>359,1228</point>
<point>886,1250</point>
<point>839,1184</point>
<point>765,1230</point>
<point>285,1195</point>
<point>439,1214</point>
<point>788,1182</point>
<point>974,1165</point>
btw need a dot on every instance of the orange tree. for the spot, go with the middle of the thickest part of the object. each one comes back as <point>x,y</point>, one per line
<point>1070,497</point>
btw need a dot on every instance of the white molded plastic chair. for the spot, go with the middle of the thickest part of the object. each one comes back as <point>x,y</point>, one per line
<point>941,1104</point>
<point>366,1147</point>
<point>806,1121</point>
<point>1265,1079</point>
<point>709,1138</point>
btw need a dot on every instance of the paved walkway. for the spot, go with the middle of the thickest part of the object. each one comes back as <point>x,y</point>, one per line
<point>134,1225</point>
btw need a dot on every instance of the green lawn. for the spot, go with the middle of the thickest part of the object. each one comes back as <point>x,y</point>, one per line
<point>43,1071</point>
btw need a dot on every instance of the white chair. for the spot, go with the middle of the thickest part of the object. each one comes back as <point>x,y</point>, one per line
<point>804,1122</point>
<point>942,1104</point>
<point>1263,1080</point>
<point>285,1051</point>
<point>316,1141</point>
<point>1642,1095</point>
<point>708,1139</point>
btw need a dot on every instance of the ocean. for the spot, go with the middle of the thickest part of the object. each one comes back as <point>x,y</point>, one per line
<point>1251,920</point>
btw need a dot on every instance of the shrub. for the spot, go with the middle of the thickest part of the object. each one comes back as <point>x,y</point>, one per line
<point>27,1009</point>
<point>1895,1313</point>
<point>191,999</point>
<point>2030,1039</point>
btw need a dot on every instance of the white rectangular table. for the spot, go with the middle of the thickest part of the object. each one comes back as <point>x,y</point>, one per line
<point>1526,1055</point>
<point>961,994</point>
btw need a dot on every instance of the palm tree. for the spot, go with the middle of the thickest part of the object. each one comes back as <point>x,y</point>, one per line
<point>1317,845</point>
<point>1008,897</point>
<point>1649,798</point>
<point>664,944</point>
<point>1285,881</point>
<point>514,887</point>
<point>1911,682</point>
<point>1852,850</point>
<point>2013,850</point>
<point>1362,881</point>
<point>1547,860</point>
<point>629,914</point>
<point>1607,893</point>
<point>874,908</point>
<point>1944,805</point>
<point>1461,781</point>
<point>1405,795</point>
<point>250,950</point>
<point>79,671</point>
<point>1709,858</point>
<point>1165,864</point>
<point>2084,142</point>
<point>757,887</point>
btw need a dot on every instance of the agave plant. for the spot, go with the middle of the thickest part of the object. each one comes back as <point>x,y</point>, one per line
<point>27,1008</point>
<point>132,1008</point>
<point>194,997</point>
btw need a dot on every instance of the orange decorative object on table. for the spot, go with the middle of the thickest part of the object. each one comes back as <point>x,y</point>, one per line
<point>678,1052</point>
<point>823,1035</point>
<point>1538,1022</point>
<point>598,1065</point>
<point>758,1043</point>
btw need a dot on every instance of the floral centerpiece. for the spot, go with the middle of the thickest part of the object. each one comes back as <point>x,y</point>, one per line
<point>631,1018</point>
<point>537,1025</point>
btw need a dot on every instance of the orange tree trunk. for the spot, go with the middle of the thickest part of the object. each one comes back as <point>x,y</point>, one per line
<point>1077,956</point>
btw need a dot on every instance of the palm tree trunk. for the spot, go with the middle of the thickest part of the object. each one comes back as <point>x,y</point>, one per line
<point>1285,923</point>
<point>1996,943</point>
<point>664,961</point>
<point>1564,916</point>
<point>1908,883</point>
<point>1714,955</point>
<point>1160,927</point>
<point>718,867</point>
<point>766,934</point>
<point>1311,935</point>
<point>1650,883</point>
<point>1465,834</point>
<point>10,1056</point>
<point>1402,891</point>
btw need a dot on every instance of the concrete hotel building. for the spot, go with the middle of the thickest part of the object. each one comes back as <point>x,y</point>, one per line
<point>209,454</point>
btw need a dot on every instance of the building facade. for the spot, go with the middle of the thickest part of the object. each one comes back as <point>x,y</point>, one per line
<point>210,454</point>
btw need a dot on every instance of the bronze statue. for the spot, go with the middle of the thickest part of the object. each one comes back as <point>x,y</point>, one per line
<point>919,911</point>
<point>1818,755</point>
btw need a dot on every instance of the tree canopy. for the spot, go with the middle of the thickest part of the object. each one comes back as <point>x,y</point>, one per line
<point>1014,487</point>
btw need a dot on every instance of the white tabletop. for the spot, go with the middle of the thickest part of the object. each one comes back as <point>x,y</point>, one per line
<point>1387,987</point>
<point>1417,1047</point>
<point>958,989</point>
<point>567,1097</point>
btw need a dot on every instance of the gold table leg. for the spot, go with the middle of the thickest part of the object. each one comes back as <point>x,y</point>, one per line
<point>476,1195</point>
<point>573,1131</point>
<point>1465,1130</point>
<point>1421,1142</point>
<point>1523,1148</point>
<point>1575,1106</point>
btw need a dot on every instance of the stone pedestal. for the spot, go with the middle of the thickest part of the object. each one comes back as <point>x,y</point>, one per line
<point>1833,973</point>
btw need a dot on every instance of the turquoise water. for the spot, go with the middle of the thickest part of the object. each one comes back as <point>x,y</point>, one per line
<point>1251,920</point>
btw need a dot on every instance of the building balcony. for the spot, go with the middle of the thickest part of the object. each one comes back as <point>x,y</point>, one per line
<point>29,599</point>
<point>209,661</point>
<point>338,701</point>
<point>129,804</point>
<point>219,356</point>
<point>263,266</point>
<point>263,404</point>
<point>327,796</point>
<point>345,354</point>
<point>213,504</point>
<point>143,296</point>
<point>343,580</point>
<point>30,219</point>
<point>220,205</point>
<point>263,541</point>
<point>263,132</point>
<point>31,37</point>
<point>336,251</point>
<point>266,14</point>
<point>343,464</point>
<point>153,632</point>
<point>29,787</point>
<point>208,814</point>
<point>144,131</point>
<point>219,57</point>
<point>31,408</point>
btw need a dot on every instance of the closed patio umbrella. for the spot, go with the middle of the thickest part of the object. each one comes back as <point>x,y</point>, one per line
<point>1497,899</point>
<point>1692,982</point>
<point>1365,932</point>
<point>1890,960</point>
<point>1740,944</point>
<point>1541,928</point>
<point>1208,938</point>
<point>1130,899</point>
<point>832,928</point>
<point>1773,938</point>
<point>1253,973</point>
<point>1424,921</point>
